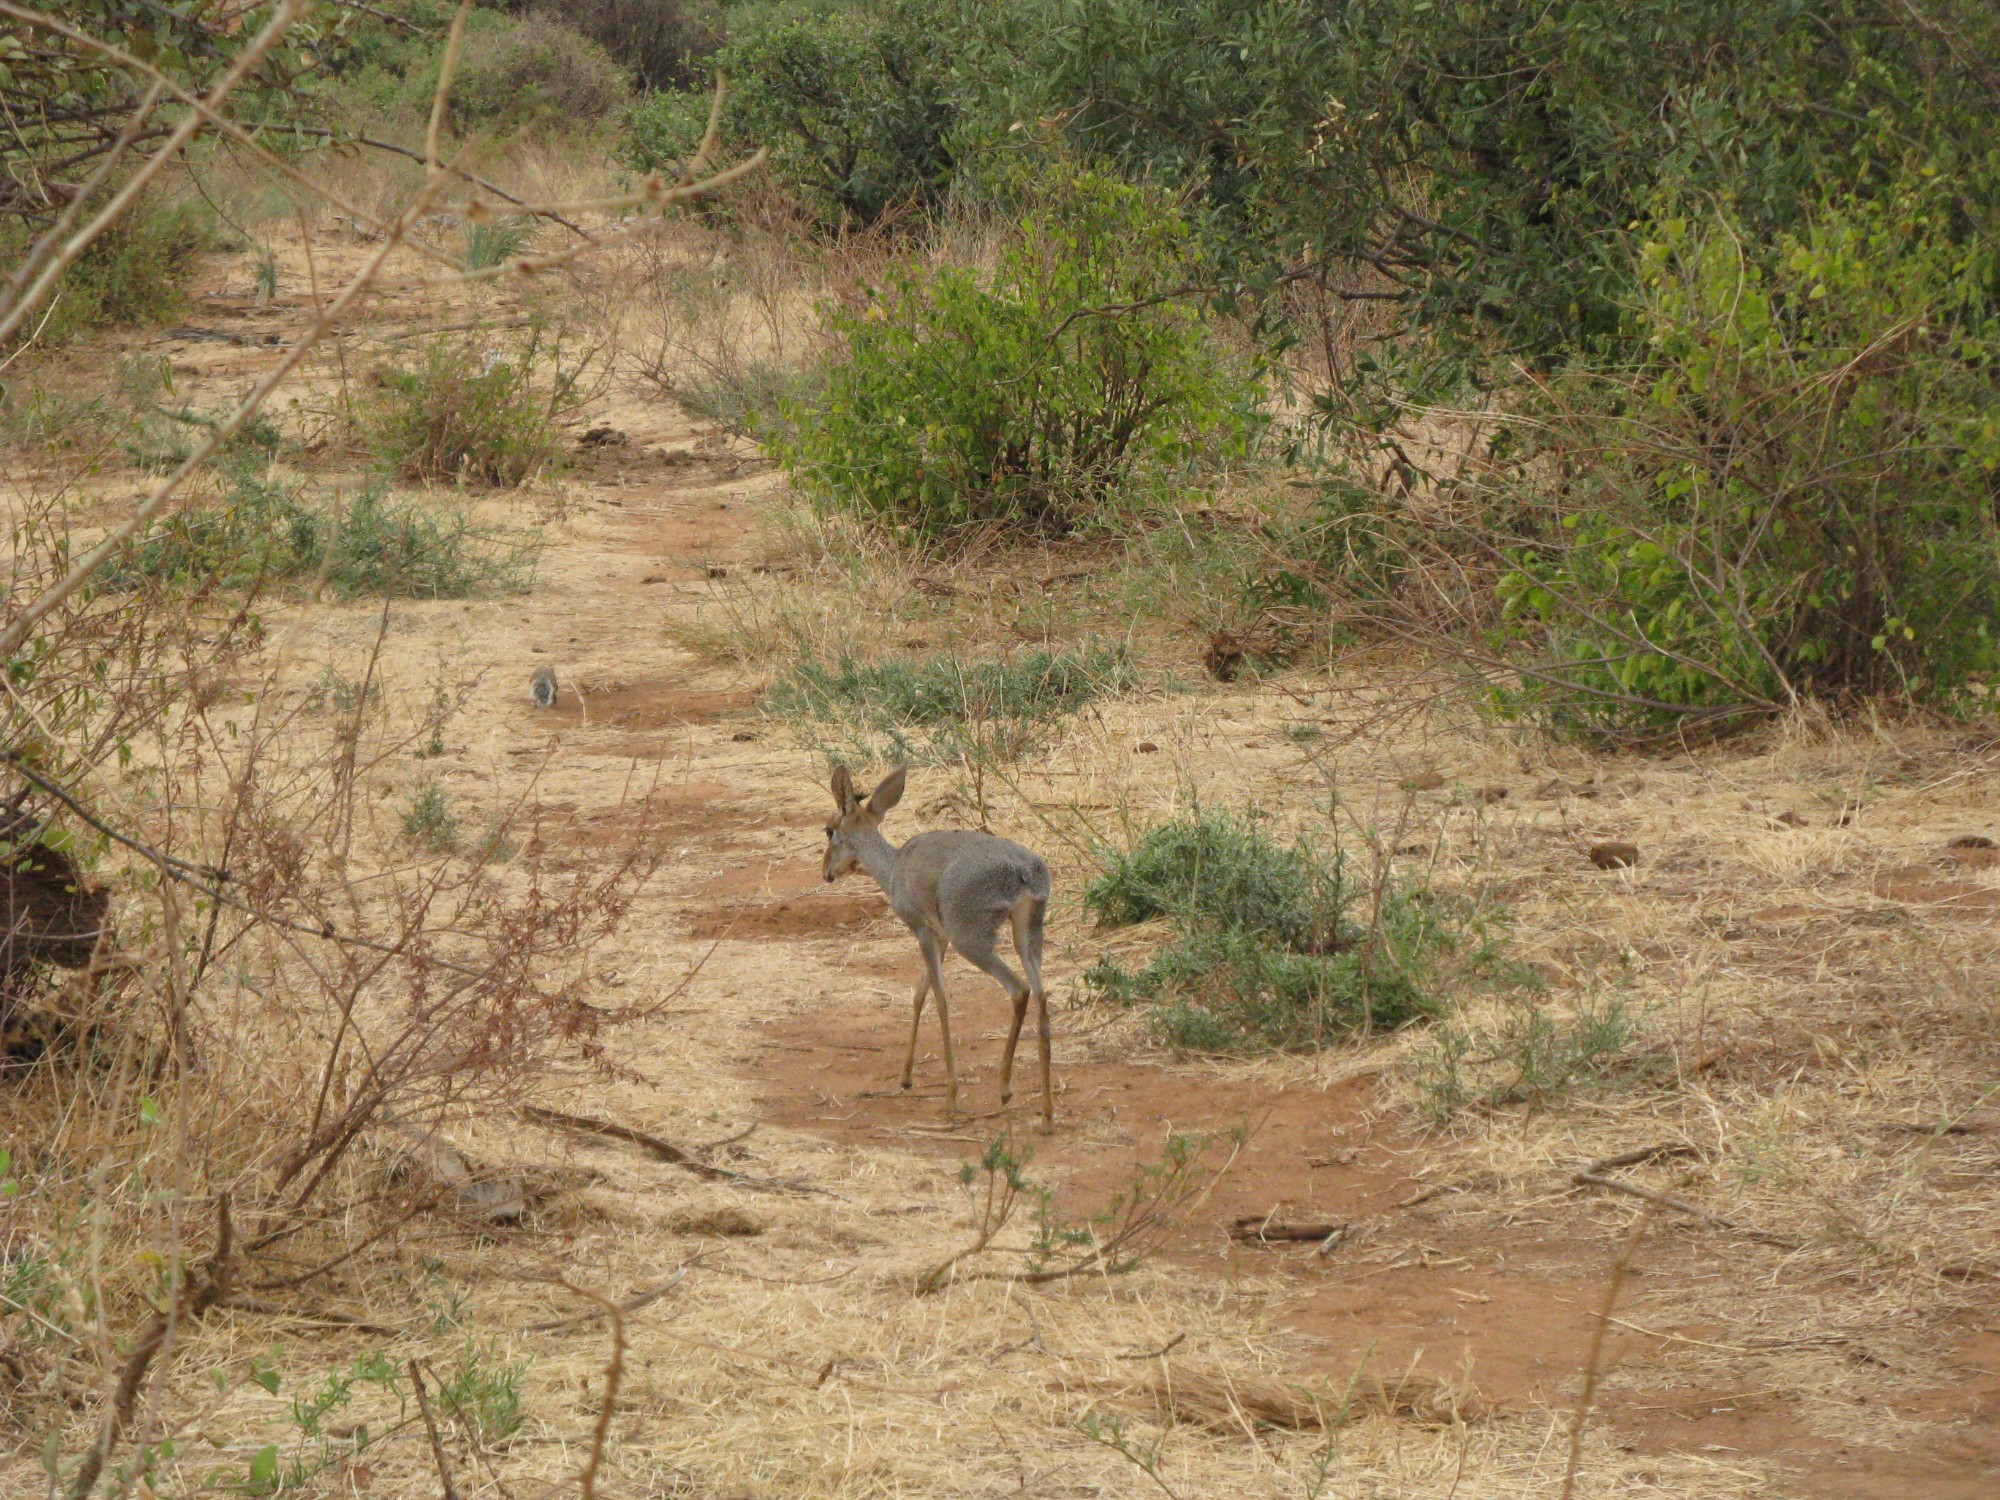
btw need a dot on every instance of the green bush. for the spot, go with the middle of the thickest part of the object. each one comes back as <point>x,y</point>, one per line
<point>526,72</point>
<point>663,42</point>
<point>260,532</point>
<point>1272,946</point>
<point>1042,399</point>
<point>1791,497</point>
<point>855,104</point>
<point>131,276</point>
<point>467,412</point>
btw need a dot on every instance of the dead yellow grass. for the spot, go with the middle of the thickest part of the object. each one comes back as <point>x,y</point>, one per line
<point>1826,1048</point>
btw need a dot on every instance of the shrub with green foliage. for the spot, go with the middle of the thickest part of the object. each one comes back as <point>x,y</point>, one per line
<point>132,275</point>
<point>1041,398</point>
<point>468,411</point>
<point>663,42</point>
<point>855,103</point>
<point>1273,946</point>
<point>1791,496</point>
<point>535,72</point>
<point>1480,161</point>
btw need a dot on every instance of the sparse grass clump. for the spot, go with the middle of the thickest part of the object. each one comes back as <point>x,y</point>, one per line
<point>1036,684</point>
<point>428,818</point>
<point>1273,945</point>
<point>261,531</point>
<point>972,709</point>
<point>1527,1055</point>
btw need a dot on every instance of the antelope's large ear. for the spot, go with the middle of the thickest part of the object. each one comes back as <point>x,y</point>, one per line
<point>888,794</point>
<point>843,789</point>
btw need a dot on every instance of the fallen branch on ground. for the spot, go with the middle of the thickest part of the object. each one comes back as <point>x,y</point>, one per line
<point>666,1151</point>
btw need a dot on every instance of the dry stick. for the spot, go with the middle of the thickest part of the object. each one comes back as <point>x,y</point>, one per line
<point>280,22</point>
<point>631,1304</point>
<point>430,1425</point>
<point>1589,1178</point>
<point>666,1151</point>
<point>1618,1269</point>
<point>613,1372</point>
<point>333,1318</point>
<point>452,47</point>
<point>336,138</point>
<point>191,1304</point>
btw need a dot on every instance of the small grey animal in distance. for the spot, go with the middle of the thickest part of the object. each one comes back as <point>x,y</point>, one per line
<point>542,687</point>
<point>954,889</point>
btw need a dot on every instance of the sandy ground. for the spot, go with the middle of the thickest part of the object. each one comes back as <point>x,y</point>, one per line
<point>1814,990</point>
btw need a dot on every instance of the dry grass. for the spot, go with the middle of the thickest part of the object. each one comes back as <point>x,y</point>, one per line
<point>1827,1048</point>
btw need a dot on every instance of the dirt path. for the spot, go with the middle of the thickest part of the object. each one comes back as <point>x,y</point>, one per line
<point>796,1359</point>
<point>1496,1298</point>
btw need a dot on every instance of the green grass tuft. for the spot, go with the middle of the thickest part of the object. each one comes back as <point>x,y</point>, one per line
<point>1272,946</point>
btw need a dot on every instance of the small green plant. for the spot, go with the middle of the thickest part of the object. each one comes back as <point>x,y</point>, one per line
<point>494,241</point>
<point>1049,396</point>
<point>1272,945</point>
<point>483,1397</point>
<point>267,278</point>
<point>1527,1056</point>
<point>428,818</point>
<point>1113,1241</point>
<point>470,411</point>
<point>333,691</point>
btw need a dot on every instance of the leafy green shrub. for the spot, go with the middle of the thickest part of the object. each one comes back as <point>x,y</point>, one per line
<point>466,412</point>
<point>663,129</point>
<point>534,72</point>
<point>1791,497</point>
<point>1481,161</point>
<point>131,276</point>
<point>663,42</point>
<point>1272,946</point>
<point>856,104</point>
<point>1528,1056</point>
<point>1036,400</point>
<point>261,532</point>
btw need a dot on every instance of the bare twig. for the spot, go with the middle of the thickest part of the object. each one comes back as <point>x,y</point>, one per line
<point>430,1426</point>
<point>665,1150</point>
<point>631,1304</point>
<point>1589,1392</point>
<point>195,1299</point>
<point>613,1372</point>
